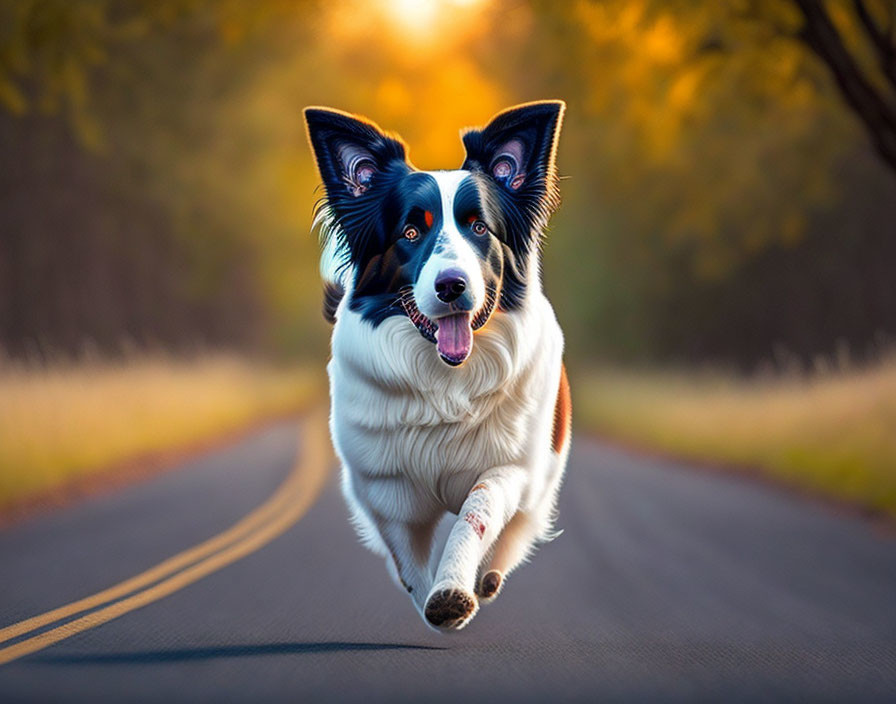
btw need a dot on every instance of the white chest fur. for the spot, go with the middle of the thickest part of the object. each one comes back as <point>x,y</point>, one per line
<point>401,415</point>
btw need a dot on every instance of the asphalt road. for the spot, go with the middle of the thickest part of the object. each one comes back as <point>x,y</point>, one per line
<point>667,584</point>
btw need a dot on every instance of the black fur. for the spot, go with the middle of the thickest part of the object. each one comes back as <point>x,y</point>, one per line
<point>524,210</point>
<point>373,194</point>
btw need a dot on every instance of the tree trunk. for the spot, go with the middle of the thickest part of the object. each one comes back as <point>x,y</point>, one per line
<point>873,107</point>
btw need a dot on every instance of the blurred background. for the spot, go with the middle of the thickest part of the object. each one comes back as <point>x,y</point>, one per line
<point>724,262</point>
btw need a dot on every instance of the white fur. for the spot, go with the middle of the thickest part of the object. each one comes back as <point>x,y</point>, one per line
<point>415,435</point>
<point>335,257</point>
<point>455,252</point>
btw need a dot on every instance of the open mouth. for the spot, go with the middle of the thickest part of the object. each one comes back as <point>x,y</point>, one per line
<point>453,333</point>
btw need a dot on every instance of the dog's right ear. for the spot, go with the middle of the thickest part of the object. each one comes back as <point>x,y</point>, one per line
<point>351,152</point>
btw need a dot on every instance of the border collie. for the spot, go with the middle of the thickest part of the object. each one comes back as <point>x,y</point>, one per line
<point>447,386</point>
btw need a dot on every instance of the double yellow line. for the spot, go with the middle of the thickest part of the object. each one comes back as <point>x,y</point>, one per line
<point>286,506</point>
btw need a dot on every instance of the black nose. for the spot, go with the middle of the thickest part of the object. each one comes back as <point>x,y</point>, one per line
<point>450,285</point>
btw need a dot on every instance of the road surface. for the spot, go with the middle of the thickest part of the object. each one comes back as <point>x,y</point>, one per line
<point>668,584</point>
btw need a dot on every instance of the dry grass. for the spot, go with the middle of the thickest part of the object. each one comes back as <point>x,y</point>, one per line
<point>833,433</point>
<point>65,421</point>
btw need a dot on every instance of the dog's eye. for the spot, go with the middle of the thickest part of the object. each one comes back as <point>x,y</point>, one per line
<point>479,228</point>
<point>411,233</point>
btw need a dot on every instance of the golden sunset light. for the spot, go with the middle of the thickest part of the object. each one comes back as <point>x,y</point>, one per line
<point>327,325</point>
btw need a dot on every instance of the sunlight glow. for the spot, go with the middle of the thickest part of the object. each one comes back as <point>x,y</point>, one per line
<point>422,15</point>
<point>415,14</point>
<point>415,71</point>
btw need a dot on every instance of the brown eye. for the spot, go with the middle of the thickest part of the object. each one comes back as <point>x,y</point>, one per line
<point>480,228</point>
<point>411,233</point>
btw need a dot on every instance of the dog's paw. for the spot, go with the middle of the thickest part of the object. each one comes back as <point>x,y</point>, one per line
<point>450,608</point>
<point>490,585</point>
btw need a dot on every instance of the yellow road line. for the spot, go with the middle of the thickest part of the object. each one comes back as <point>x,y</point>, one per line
<point>163,569</point>
<point>281,511</point>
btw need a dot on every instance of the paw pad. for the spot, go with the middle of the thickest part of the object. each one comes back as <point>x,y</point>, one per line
<point>490,584</point>
<point>450,608</point>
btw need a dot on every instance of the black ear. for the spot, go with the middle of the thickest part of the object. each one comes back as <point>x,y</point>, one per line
<point>518,148</point>
<point>350,151</point>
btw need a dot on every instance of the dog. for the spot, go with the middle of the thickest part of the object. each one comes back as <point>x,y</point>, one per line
<point>447,386</point>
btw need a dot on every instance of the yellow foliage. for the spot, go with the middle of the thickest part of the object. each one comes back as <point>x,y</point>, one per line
<point>699,134</point>
<point>661,41</point>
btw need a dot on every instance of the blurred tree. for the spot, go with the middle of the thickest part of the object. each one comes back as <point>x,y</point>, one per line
<point>723,198</point>
<point>50,49</point>
<point>160,229</point>
<point>705,137</point>
<point>869,88</point>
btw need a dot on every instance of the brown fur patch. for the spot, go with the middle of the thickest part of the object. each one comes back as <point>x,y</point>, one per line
<point>478,487</point>
<point>562,413</point>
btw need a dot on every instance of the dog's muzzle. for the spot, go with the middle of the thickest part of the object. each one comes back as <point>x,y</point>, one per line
<point>452,333</point>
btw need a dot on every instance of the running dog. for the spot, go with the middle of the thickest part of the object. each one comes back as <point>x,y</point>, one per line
<point>447,386</point>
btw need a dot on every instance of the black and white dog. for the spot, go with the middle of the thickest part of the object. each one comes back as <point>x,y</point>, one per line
<point>447,384</point>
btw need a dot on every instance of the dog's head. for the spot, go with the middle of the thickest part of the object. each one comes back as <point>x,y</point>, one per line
<point>444,248</point>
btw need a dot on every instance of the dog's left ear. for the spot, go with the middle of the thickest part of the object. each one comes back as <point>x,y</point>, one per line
<point>518,148</point>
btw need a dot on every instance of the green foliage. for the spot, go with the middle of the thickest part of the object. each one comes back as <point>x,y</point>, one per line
<point>50,50</point>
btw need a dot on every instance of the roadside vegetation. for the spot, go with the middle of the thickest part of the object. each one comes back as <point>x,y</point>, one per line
<point>833,433</point>
<point>62,422</point>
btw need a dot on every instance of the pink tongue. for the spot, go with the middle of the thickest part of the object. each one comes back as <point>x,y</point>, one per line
<point>454,338</point>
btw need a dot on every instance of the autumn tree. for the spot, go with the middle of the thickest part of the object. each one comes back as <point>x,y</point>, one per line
<point>723,197</point>
<point>859,48</point>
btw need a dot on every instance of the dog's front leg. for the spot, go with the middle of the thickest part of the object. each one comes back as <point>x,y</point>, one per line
<point>409,545</point>
<point>491,503</point>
